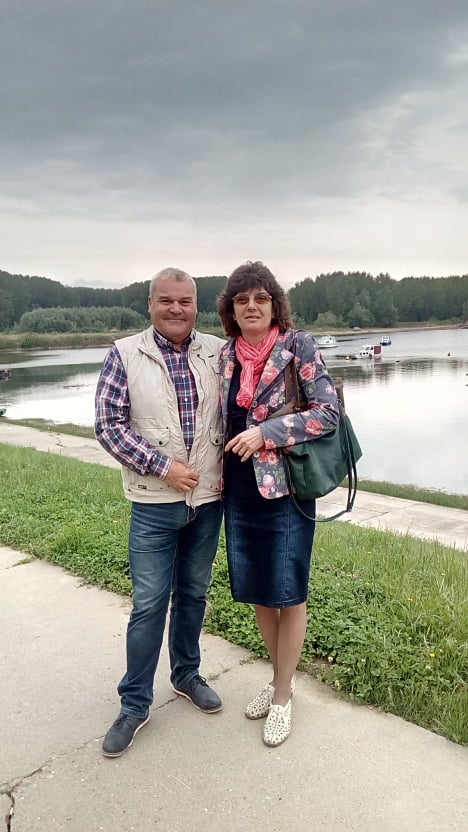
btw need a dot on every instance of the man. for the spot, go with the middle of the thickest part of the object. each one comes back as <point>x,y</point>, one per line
<point>157,413</point>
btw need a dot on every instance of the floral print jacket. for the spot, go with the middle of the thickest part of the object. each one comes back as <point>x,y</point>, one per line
<point>320,418</point>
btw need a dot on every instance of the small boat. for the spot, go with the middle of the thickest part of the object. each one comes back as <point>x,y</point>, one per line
<point>385,341</point>
<point>2,411</point>
<point>326,341</point>
<point>369,351</point>
<point>5,375</point>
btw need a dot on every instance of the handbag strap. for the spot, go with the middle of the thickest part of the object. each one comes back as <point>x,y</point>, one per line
<point>294,393</point>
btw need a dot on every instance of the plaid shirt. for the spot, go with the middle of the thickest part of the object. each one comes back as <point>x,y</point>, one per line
<point>112,426</point>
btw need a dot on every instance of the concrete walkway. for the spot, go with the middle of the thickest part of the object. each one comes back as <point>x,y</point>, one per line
<point>345,768</point>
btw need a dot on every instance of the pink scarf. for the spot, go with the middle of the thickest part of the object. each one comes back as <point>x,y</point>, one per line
<point>253,360</point>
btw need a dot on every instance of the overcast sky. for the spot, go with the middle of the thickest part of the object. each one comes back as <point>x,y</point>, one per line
<point>313,135</point>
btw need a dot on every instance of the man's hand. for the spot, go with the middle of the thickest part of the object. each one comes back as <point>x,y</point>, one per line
<point>181,477</point>
<point>246,443</point>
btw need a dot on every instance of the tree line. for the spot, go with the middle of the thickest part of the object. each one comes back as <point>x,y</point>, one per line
<point>23,294</point>
<point>359,299</point>
<point>80,319</point>
<point>331,300</point>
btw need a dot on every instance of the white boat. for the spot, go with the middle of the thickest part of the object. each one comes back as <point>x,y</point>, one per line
<point>369,351</point>
<point>385,341</point>
<point>325,341</point>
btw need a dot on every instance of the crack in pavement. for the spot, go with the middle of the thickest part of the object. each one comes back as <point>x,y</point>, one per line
<point>11,811</point>
<point>11,787</point>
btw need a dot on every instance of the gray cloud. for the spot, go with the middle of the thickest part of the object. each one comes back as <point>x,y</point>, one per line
<point>210,114</point>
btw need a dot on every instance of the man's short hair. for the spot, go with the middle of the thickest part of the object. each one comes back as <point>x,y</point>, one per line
<point>170,274</point>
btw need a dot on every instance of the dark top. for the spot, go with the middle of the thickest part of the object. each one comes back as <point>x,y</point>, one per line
<point>239,477</point>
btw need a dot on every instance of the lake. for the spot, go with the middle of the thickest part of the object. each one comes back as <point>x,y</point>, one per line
<point>409,409</point>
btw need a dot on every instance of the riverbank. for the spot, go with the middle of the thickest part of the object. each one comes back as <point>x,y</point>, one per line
<point>77,340</point>
<point>422,327</point>
<point>59,340</point>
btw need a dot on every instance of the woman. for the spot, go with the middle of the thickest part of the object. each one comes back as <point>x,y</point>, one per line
<point>269,542</point>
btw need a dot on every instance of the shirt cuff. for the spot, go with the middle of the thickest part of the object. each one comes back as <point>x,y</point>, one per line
<point>160,466</point>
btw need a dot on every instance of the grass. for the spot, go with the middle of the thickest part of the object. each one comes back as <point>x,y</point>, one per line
<point>56,427</point>
<point>57,340</point>
<point>388,614</point>
<point>387,619</point>
<point>65,511</point>
<point>412,492</point>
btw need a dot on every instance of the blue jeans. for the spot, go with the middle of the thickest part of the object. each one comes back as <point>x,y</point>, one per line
<point>171,548</point>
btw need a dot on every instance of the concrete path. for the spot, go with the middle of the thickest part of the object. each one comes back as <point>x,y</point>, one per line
<point>447,525</point>
<point>345,768</point>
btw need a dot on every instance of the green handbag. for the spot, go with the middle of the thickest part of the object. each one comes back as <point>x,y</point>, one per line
<point>318,466</point>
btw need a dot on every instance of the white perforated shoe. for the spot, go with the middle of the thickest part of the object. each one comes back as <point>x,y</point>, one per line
<point>278,724</point>
<point>260,704</point>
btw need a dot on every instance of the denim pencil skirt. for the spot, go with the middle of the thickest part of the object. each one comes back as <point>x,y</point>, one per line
<point>268,542</point>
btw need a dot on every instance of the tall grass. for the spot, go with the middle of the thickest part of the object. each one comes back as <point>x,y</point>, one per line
<point>412,492</point>
<point>57,340</point>
<point>387,614</point>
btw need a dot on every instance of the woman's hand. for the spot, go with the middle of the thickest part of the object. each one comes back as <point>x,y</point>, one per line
<point>246,443</point>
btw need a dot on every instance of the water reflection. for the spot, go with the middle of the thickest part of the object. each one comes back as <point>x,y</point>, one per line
<point>51,391</point>
<point>386,370</point>
<point>411,418</point>
<point>25,378</point>
<point>409,408</point>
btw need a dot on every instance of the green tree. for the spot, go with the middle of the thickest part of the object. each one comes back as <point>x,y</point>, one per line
<point>208,289</point>
<point>84,319</point>
<point>326,320</point>
<point>360,316</point>
<point>7,309</point>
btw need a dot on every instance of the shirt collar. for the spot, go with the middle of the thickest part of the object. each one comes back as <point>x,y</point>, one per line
<point>163,342</point>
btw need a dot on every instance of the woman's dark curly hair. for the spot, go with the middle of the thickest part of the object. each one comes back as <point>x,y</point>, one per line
<point>243,279</point>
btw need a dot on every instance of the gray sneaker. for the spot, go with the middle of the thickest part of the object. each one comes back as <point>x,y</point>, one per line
<point>199,693</point>
<point>121,734</point>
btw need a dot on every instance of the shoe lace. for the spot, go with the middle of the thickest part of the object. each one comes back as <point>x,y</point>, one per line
<point>120,720</point>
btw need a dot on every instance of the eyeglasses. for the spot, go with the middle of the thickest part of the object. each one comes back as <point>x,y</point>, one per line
<point>260,298</point>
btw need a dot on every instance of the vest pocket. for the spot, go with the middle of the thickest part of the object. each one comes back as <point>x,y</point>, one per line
<point>155,436</point>
<point>216,436</point>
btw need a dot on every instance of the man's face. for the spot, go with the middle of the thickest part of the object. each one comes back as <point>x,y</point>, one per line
<point>173,309</point>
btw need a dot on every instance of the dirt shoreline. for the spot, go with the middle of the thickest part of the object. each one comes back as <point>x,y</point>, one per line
<point>386,331</point>
<point>104,340</point>
<point>389,330</point>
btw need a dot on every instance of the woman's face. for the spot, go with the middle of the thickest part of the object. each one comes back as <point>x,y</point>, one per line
<point>253,313</point>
